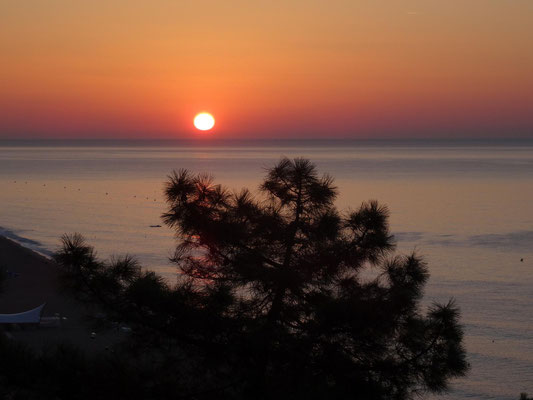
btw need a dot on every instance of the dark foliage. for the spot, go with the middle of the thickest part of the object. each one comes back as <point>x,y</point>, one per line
<point>277,296</point>
<point>3,277</point>
<point>64,372</point>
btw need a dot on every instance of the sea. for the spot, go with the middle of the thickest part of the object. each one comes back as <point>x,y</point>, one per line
<point>465,205</point>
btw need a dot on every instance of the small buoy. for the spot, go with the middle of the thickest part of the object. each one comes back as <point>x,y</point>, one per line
<point>93,335</point>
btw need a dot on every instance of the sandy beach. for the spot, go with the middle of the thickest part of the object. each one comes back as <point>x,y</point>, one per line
<point>32,280</point>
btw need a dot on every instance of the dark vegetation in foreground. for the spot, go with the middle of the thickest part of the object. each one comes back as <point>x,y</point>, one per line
<point>277,297</point>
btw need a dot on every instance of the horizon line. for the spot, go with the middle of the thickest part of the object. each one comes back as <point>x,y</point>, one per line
<point>281,139</point>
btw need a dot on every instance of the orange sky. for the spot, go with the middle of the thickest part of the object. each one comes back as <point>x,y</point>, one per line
<point>292,68</point>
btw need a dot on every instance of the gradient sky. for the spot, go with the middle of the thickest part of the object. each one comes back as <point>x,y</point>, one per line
<point>291,68</point>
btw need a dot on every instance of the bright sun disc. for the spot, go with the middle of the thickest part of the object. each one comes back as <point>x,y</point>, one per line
<point>204,121</point>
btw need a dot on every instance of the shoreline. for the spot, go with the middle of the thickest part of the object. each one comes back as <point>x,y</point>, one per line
<point>26,243</point>
<point>32,280</point>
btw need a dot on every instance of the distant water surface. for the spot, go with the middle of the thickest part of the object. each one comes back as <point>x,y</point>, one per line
<point>467,206</point>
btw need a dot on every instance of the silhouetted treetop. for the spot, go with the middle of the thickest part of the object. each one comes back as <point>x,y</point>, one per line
<point>275,241</point>
<point>273,297</point>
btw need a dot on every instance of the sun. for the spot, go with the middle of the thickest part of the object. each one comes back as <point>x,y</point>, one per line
<point>204,121</point>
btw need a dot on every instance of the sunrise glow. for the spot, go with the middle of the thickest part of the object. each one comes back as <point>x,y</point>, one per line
<point>383,70</point>
<point>204,121</point>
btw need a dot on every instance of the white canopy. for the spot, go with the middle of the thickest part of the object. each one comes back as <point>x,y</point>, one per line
<point>26,317</point>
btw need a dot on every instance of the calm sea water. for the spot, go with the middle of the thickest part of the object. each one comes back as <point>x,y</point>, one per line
<point>466,206</point>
